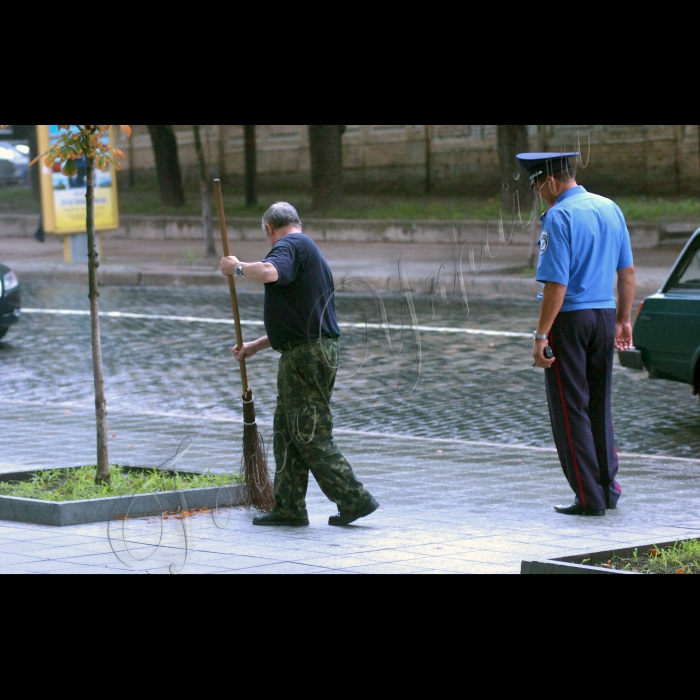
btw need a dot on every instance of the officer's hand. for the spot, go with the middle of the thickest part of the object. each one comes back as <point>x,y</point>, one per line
<point>246,351</point>
<point>228,265</point>
<point>538,354</point>
<point>623,336</point>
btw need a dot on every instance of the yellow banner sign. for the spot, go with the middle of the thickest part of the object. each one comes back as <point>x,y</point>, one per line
<point>63,201</point>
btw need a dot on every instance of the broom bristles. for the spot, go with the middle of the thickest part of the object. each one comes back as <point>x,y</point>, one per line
<point>260,493</point>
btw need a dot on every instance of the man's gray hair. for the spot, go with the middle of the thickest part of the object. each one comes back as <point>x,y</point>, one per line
<point>279,215</point>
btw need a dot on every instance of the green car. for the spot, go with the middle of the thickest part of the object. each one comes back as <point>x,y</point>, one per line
<point>667,328</point>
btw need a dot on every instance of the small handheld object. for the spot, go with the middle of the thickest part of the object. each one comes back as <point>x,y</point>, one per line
<point>547,353</point>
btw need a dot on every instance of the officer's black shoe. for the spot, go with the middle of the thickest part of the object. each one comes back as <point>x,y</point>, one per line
<point>274,519</point>
<point>577,509</point>
<point>369,506</point>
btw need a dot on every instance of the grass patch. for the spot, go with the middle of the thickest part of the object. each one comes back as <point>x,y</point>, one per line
<point>658,209</point>
<point>144,200</point>
<point>681,558</point>
<point>448,208</point>
<point>78,483</point>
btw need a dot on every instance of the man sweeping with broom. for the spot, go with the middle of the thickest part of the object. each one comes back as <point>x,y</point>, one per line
<point>300,323</point>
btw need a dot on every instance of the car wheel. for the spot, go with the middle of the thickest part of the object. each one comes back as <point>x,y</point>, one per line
<point>3,331</point>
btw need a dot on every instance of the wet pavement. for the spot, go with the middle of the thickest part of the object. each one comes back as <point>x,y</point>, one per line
<point>446,425</point>
<point>434,382</point>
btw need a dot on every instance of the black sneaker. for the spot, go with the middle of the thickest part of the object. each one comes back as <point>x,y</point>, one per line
<point>346,518</point>
<point>274,519</point>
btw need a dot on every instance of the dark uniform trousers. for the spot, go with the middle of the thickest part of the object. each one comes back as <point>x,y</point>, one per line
<point>303,439</point>
<point>579,387</point>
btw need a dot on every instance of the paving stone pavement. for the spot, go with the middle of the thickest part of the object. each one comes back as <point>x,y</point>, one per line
<point>453,440</point>
<point>446,507</point>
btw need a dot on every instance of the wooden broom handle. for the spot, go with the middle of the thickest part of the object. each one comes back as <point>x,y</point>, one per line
<point>231,281</point>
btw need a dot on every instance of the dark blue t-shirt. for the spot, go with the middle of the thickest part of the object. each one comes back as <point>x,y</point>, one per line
<point>300,305</point>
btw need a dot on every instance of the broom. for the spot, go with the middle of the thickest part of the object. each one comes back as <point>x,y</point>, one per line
<point>253,464</point>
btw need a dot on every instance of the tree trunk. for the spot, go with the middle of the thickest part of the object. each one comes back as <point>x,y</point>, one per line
<point>326,148</point>
<point>428,159</point>
<point>649,183</point>
<point>132,169</point>
<point>512,139</point>
<point>102,474</point>
<point>251,166</point>
<point>204,193</point>
<point>167,164</point>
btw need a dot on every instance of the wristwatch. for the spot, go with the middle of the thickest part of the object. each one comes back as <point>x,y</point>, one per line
<point>239,271</point>
<point>539,336</point>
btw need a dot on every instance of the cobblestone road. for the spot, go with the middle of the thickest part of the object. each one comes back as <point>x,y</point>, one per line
<point>162,374</point>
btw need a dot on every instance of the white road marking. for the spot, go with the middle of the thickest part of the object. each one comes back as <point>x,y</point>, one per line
<point>197,319</point>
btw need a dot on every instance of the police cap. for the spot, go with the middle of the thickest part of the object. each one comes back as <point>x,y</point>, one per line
<point>544,163</point>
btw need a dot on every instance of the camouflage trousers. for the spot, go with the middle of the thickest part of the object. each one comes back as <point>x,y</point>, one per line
<point>303,439</point>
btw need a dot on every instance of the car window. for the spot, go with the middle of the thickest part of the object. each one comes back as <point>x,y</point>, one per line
<point>688,273</point>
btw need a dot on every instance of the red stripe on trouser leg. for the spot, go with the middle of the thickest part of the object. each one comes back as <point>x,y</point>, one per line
<point>581,494</point>
<point>613,482</point>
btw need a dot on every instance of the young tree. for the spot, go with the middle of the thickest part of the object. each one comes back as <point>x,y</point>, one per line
<point>204,193</point>
<point>79,141</point>
<point>326,149</point>
<point>167,164</point>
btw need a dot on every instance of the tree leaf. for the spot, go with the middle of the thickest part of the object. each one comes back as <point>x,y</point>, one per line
<point>126,128</point>
<point>70,168</point>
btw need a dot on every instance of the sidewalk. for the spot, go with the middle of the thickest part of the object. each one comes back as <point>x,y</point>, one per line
<point>184,263</point>
<point>445,509</point>
<point>447,505</point>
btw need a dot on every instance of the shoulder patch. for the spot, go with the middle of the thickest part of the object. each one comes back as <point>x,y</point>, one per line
<point>543,243</point>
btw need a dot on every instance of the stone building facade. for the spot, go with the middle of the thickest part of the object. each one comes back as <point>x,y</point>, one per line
<point>443,159</point>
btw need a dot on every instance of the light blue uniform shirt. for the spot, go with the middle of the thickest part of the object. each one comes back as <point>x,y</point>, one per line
<point>584,242</point>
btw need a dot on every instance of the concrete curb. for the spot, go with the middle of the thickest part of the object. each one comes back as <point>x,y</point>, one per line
<point>94,510</point>
<point>567,565</point>
<point>182,228</point>
<point>490,285</point>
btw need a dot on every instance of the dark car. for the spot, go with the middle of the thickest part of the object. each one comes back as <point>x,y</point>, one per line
<point>9,299</point>
<point>667,328</point>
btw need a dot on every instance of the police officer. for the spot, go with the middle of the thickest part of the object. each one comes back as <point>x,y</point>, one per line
<point>300,323</point>
<point>583,245</point>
